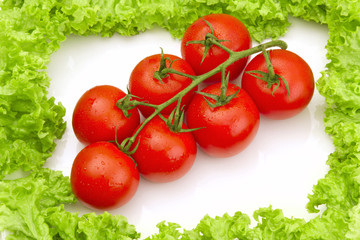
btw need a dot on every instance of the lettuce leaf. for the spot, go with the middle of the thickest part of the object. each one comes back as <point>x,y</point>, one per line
<point>271,224</point>
<point>264,19</point>
<point>32,208</point>
<point>354,223</point>
<point>70,226</point>
<point>23,200</point>
<point>339,190</point>
<point>30,121</point>
<point>310,10</point>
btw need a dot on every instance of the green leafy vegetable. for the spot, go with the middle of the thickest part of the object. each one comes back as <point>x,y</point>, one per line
<point>32,208</point>
<point>340,84</point>
<point>30,121</point>
<point>22,202</point>
<point>271,225</point>
<point>316,10</point>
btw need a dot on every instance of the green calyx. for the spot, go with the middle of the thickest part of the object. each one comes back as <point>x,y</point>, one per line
<point>162,73</point>
<point>223,98</point>
<point>270,77</point>
<point>129,102</point>
<point>126,104</point>
<point>208,42</point>
<point>175,120</point>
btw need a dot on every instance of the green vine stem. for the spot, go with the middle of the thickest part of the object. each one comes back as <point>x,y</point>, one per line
<point>233,57</point>
<point>269,65</point>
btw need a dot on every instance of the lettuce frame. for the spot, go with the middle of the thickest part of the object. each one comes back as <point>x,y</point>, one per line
<point>30,31</point>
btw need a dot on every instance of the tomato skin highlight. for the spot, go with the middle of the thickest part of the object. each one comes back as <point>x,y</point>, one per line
<point>103,177</point>
<point>226,27</point>
<point>163,155</point>
<point>96,116</point>
<point>228,129</point>
<point>296,72</point>
<point>143,84</point>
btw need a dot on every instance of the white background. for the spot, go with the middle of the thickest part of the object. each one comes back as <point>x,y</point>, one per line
<point>279,168</point>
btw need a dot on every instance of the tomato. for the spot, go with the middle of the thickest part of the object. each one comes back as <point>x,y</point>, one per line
<point>277,104</point>
<point>96,116</point>
<point>227,129</point>
<point>143,84</point>
<point>163,155</point>
<point>225,27</point>
<point>103,177</point>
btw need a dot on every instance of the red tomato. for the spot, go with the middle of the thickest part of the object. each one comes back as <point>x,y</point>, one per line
<point>143,84</point>
<point>297,73</point>
<point>225,27</point>
<point>227,129</point>
<point>163,155</point>
<point>103,177</point>
<point>96,116</point>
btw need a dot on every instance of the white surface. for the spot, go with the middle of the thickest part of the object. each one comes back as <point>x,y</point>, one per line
<point>279,168</point>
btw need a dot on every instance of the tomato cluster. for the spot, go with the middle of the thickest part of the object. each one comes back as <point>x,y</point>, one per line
<point>221,119</point>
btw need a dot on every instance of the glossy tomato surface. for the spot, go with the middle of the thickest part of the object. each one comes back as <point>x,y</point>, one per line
<point>225,27</point>
<point>228,129</point>
<point>143,84</point>
<point>163,155</point>
<point>96,116</point>
<point>277,104</point>
<point>103,177</point>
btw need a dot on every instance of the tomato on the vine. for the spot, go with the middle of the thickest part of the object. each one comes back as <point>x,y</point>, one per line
<point>225,130</point>
<point>103,177</point>
<point>277,102</point>
<point>96,116</point>
<point>231,33</point>
<point>163,155</point>
<point>144,85</point>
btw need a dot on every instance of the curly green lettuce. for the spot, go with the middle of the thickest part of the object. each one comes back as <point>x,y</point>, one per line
<point>271,224</point>
<point>30,121</point>
<point>340,85</point>
<point>23,201</point>
<point>32,208</point>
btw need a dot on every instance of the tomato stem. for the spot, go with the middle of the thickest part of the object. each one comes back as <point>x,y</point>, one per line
<point>270,77</point>
<point>161,74</point>
<point>223,98</point>
<point>233,56</point>
<point>171,70</point>
<point>224,84</point>
<point>210,38</point>
<point>214,41</point>
<point>269,65</point>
